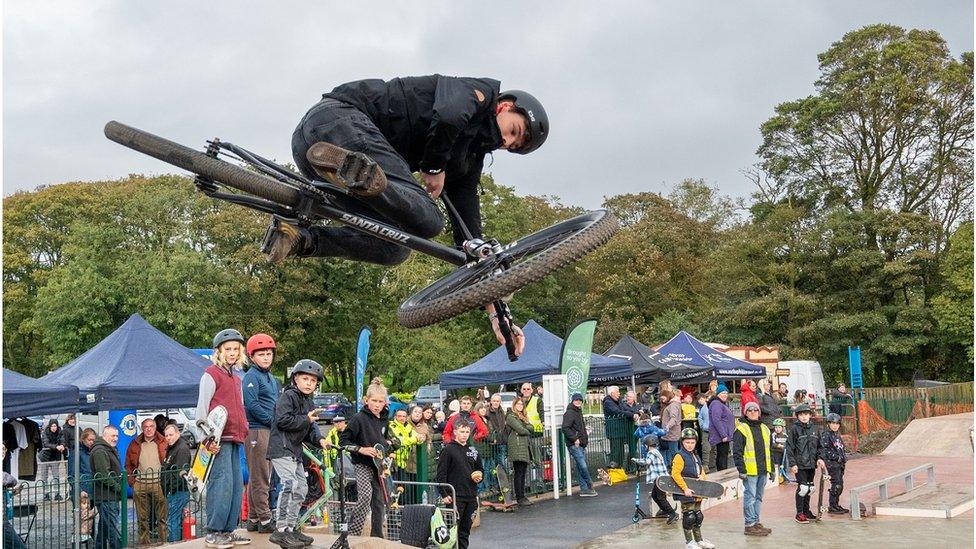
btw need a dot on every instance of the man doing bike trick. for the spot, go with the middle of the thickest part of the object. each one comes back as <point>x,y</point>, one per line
<point>441,126</point>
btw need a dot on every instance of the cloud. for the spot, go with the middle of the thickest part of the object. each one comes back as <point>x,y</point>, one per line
<point>640,94</point>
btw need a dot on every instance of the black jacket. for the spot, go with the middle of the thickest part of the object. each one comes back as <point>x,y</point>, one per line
<point>178,458</point>
<point>803,445</point>
<point>454,467</point>
<point>435,123</point>
<point>50,441</point>
<point>574,427</point>
<point>365,429</point>
<point>497,429</point>
<point>291,426</point>
<point>768,409</point>
<point>107,466</point>
<point>739,445</point>
<point>832,448</point>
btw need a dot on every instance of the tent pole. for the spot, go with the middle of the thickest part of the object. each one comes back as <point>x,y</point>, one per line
<point>633,384</point>
<point>77,495</point>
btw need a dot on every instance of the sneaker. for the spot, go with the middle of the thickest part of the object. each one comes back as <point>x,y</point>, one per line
<point>252,526</point>
<point>266,527</point>
<point>524,502</point>
<point>755,530</point>
<point>673,518</point>
<point>589,493</point>
<point>285,540</point>
<point>353,170</point>
<point>763,528</point>
<point>843,509</point>
<point>801,518</point>
<point>218,540</point>
<point>705,544</point>
<point>692,545</point>
<point>307,540</point>
<point>283,239</point>
<point>836,511</point>
<point>239,539</point>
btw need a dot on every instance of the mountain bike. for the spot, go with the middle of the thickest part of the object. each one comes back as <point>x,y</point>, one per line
<point>487,271</point>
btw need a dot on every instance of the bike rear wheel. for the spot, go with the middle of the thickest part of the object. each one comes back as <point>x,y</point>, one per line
<point>530,259</point>
<point>201,164</point>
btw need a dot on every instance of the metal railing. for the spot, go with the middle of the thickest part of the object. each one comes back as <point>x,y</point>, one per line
<point>882,486</point>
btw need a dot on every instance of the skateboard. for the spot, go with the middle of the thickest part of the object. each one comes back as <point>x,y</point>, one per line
<point>211,428</point>
<point>820,491</point>
<point>700,488</point>
<point>384,465</point>
<point>505,502</point>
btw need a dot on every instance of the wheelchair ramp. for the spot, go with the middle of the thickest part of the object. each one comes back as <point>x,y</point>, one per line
<point>942,436</point>
<point>934,501</point>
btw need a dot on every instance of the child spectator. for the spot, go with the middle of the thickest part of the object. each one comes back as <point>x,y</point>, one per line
<point>779,446</point>
<point>439,422</point>
<point>833,455</point>
<point>87,515</point>
<point>686,464</point>
<point>705,449</point>
<point>656,467</point>
<point>803,451</point>
<point>460,466</point>
<point>367,428</point>
<point>293,425</point>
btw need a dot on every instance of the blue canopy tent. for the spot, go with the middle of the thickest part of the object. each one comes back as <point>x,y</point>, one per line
<point>25,396</point>
<point>650,366</point>
<point>541,357</point>
<point>136,366</point>
<point>684,349</point>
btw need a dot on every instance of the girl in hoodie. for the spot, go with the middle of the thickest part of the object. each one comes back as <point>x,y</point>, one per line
<point>367,428</point>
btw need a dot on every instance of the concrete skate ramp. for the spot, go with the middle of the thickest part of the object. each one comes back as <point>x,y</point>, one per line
<point>942,436</point>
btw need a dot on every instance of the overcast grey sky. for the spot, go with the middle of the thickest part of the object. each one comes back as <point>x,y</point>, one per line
<point>640,94</point>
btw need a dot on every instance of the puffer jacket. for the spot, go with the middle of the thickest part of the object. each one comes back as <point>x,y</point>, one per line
<point>803,445</point>
<point>520,447</point>
<point>721,424</point>
<point>49,442</point>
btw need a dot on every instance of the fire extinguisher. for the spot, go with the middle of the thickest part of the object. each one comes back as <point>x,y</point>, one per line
<point>189,525</point>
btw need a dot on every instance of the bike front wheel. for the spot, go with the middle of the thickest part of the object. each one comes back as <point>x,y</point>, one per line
<point>528,260</point>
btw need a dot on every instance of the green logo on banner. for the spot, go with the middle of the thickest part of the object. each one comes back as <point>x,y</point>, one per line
<point>575,358</point>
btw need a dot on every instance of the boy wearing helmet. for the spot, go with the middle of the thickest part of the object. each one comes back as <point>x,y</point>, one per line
<point>219,386</point>
<point>260,393</point>
<point>687,464</point>
<point>779,445</point>
<point>294,424</point>
<point>440,126</point>
<point>833,455</point>
<point>803,455</point>
<point>656,467</point>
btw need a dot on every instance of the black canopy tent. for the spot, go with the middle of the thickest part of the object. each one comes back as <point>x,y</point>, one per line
<point>649,365</point>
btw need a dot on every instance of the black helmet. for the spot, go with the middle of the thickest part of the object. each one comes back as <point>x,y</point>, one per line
<point>803,408</point>
<point>833,418</point>
<point>228,334</point>
<point>307,366</point>
<point>531,108</point>
<point>650,440</point>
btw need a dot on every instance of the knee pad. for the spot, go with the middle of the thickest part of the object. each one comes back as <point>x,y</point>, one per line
<point>688,519</point>
<point>699,518</point>
<point>804,490</point>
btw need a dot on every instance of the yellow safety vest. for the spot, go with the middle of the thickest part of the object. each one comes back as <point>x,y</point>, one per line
<point>749,451</point>
<point>532,412</point>
<point>408,437</point>
<point>333,438</point>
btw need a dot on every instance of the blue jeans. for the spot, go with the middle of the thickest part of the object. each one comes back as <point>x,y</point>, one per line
<point>176,502</point>
<point>669,449</point>
<point>225,489</point>
<point>752,502</point>
<point>107,535</point>
<point>579,456</point>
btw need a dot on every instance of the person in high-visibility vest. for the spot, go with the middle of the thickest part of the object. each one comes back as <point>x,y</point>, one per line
<point>533,406</point>
<point>332,439</point>
<point>751,453</point>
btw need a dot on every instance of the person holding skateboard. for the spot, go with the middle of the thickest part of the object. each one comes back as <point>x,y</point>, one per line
<point>367,428</point>
<point>460,466</point>
<point>687,464</point>
<point>219,386</point>
<point>294,423</point>
<point>802,452</point>
<point>751,443</point>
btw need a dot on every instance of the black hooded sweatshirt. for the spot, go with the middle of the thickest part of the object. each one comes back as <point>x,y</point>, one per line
<point>366,430</point>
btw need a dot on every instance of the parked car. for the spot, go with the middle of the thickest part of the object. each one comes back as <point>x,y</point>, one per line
<point>332,405</point>
<point>430,395</point>
<point>507,399</point>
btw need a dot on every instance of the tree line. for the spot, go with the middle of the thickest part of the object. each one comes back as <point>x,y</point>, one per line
<point>859,232</point>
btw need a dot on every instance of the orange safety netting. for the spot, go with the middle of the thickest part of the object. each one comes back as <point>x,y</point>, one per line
<point>927,409</point>
<point>869,420</point>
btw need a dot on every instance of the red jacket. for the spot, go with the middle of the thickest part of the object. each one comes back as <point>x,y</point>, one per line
<point>480,429</point>
<point>747,396</point>
<point>135,448</point>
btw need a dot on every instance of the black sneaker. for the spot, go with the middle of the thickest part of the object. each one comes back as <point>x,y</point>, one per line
<point>307,540</point>
<point>283,239</point>
<point>672,518</point>
<point>353,170</point>
<point>524,502</point>
<point>285,540</point>
<point>266,527</point>
<point>252,526</point>
<point>836,511</point>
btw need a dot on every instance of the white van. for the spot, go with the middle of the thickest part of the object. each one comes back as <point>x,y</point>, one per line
<point>803,374</point>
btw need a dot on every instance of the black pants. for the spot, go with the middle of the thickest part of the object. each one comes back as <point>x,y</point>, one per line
<point>722,457</point>
<point>836,472</point>
<point>661,499</point>
<point>404,204</point>
<point>466,510</point>
<point>804,476</point>
<point>521,468</point>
